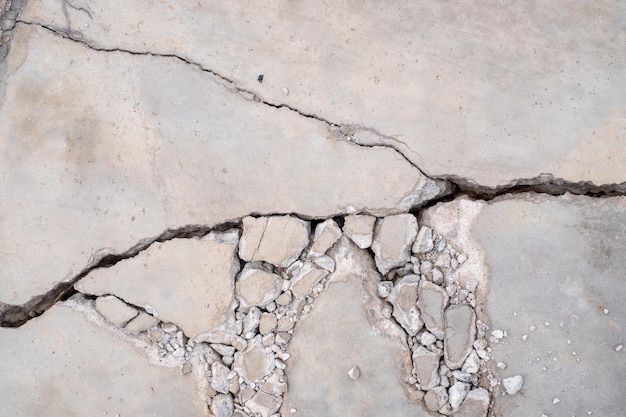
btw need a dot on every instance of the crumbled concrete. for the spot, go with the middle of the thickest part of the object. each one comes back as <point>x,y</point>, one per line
<point>403,297</point>
<point>459,336</point>
<point>360,229</point>
<point>393,238</point>
<point>256,286</point>
<point>431,301</point>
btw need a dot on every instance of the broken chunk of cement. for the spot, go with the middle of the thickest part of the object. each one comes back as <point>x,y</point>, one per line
<point>254,363</point>
<point>424,240</point>
<point>403,297</point>
<point>360,229</point>
<point>459,334</point>
<point>264,404</point>
<point>513,384</point>
<point>326,234</point>
<point>277,240</point>
<point>431,301</point>
<point>115,310</point>
<point>393,237</point>
<point>256,286</point>
<point>476,404</point>
<point>426,365</point>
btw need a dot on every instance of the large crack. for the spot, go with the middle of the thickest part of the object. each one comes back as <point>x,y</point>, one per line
<point>17,315</point>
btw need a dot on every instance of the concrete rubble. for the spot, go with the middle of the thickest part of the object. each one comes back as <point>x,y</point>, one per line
<point>290,210</point>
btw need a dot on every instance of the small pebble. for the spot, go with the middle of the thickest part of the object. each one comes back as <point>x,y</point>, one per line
<point>556,401</point>
<point>532,328</point>
<point>354,372</point>
<point>606,311</point>
<point>524,337</point>
<point>619,348</point>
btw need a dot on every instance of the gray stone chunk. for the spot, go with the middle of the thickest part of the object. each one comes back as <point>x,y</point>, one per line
<point>432,301</point>
<point>457,393</point>
<point>277,240</point>
<point>393,237</point>
<point>305,280</point>
<point>222,405</point>
<point>360,229</point>
<point>326,234</point>
<point>424,240</point>
<point>403,297</point>
<point>459,334</point>
<point>426,365</point>
<point>115,310</point>
<point>267,323</point>
<point>436,398</point>
<point>220,381</point>
<point>476,404</point>
<point>254,363</point>
<point>513,384</point>
<point>264,404</point>
<point>257,287</point>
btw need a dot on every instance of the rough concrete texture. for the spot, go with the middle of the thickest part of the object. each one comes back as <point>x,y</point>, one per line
<point>60,364</point>
<point>493,92</point>
<point>299,209</point>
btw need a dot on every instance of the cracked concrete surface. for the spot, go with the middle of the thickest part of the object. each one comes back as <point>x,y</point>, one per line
<point>304,209</point>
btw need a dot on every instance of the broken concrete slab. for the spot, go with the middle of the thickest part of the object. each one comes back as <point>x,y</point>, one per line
<point>61,364</point>
<point>475,404</point>
<point>326,234</point>
<point>255,362</point>
<point>325,349</point>
<point>278,240</point>
<point>128,161</point>
<point>187,281</point>
<point>115,310</point>
<point>500,77</point>
<point>393,238</point>
<point>426,366</point>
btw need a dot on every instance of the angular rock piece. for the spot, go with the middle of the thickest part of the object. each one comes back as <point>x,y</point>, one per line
<point>326,234</point>
<point>254,363</point>
<point>457,393</point>
<point>360,229</point>
<point>436,398</point>
<point>459,335</point>
<point>115,310</point>
<point>432,301</point>
<point>142,322</point>
<point>257,287</point>
<point>267,323</point>
<point>513,384</point>
<point>475,404</point>
<point>222,405</point>
<point>426,365</point>
<point>403,297</point>
<point>424,240</point>
<point>189,282</point>
<point>393,237</point>
<point>264,404</point>
<point>220,382</point>
<point>278,240</point>
<point>305,280</point>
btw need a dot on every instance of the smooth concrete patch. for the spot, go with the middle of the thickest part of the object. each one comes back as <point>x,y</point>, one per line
<point>190,282</point>
<point>60,364</point>
<point>339,336</point>
<point>114,148</point>
<point>494,91</point>
<point>551,274</point>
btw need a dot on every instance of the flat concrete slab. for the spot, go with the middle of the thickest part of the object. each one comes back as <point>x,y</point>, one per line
<point>63,365</point>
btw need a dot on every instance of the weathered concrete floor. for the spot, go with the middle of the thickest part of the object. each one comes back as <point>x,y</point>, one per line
<point>222,209</point>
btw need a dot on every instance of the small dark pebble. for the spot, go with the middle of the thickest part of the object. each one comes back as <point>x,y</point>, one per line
<point>260,78</point>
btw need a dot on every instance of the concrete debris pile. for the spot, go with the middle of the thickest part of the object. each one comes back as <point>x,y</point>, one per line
<point>284,267</point>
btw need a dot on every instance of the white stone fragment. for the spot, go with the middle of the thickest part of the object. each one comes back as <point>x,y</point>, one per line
<point>254,363</point>
<point>326,234</point>
<point>618,348</point>
<point>424,240</point>
<point>403,297</point>
<point>264,404</point>
<point>393,237</point>
<point>220,382</point>
<point>457,393</point>
<point>431,302</point>
<point>436,398</point>
<point>354,372</point>
<point>555,401</point>
<point>360,229</point>
<point>427,339</point>
<point>257,287</point>
<point>501,365</point>
<point>384,288</point>
<point>222,405</point>
<point>476,404</point>
<point>513,384</point>
<point>426,365</point>
<point>472,363</point>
